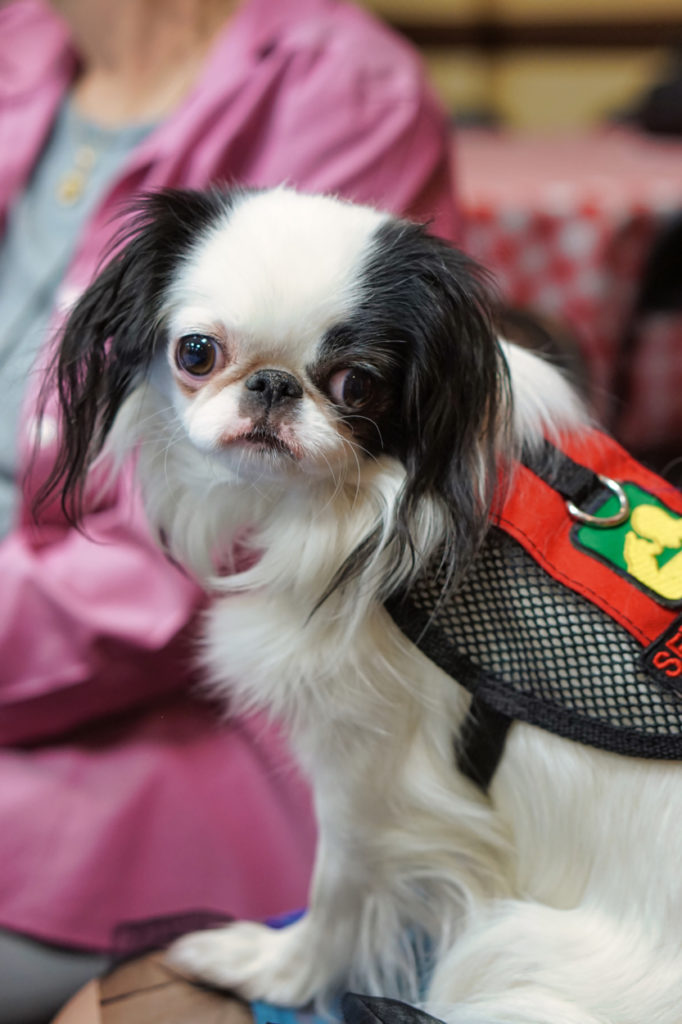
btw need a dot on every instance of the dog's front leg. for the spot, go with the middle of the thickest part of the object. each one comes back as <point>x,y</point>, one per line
<point>290,965</point>
<point>350,769</point>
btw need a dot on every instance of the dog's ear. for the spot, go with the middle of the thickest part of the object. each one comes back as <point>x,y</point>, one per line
<point>115,328</point>
<point>454,403</point>
<point>454,399</point>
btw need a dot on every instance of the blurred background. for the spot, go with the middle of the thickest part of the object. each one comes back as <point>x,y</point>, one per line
<point>567,133</point>
<point>540,65</point>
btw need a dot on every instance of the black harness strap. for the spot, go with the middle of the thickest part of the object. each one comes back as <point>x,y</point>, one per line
<point>480,745</point>
<point>481,742</point>
<point>484,732</point>
<point>572,481</point>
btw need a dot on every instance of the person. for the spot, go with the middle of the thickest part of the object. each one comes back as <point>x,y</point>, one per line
<point>124,795</point>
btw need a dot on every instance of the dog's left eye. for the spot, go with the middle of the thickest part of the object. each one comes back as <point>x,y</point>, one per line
<point>197,354</point>
<point>351,388</point>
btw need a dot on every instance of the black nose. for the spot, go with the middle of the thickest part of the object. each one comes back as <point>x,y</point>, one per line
<point>274,387</point>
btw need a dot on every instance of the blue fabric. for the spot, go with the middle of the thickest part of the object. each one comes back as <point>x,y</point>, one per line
<point>282,920</point>
<point>35,250</point>
<point>270,1013</point>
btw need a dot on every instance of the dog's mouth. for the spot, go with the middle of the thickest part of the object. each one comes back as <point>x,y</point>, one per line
<point>265,442</point>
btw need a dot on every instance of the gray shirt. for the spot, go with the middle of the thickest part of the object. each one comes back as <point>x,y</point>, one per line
<point>77,165</point>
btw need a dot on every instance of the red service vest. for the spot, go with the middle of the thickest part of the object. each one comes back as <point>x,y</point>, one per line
<point>569,617</point>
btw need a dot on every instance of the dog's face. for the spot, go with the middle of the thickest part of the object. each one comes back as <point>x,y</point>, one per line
<point>294,337</point>
<point>269,367</point>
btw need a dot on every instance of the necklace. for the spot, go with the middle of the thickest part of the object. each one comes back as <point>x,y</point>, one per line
<point>89,143</point>
<point>73,182</point>
<point>92,154</point>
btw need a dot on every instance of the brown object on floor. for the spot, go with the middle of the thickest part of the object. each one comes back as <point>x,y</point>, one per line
<point>145,991</point>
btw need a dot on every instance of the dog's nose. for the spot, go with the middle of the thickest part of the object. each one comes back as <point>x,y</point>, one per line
<point>273,387</point>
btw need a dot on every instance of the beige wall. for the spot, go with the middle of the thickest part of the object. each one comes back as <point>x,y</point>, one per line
<point>545,91</point>
<point>518,10</point>
<point>562,10</point>
<point>533,88</point>
<point>427,10</point>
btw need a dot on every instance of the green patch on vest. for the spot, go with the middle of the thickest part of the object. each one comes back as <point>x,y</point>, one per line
<point>646,548</point>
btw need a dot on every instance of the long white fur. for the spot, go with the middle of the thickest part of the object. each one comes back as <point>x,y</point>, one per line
<point>556,899</point>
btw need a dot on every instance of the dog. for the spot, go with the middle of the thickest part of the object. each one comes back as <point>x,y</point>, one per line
<point>321,406</point>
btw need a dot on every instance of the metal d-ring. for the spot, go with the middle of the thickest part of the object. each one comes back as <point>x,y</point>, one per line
<point>617,519</point>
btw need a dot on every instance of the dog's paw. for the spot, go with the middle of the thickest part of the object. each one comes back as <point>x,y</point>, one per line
<point>252,960</point>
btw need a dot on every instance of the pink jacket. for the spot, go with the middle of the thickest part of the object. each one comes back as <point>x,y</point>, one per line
<point>122,795</point>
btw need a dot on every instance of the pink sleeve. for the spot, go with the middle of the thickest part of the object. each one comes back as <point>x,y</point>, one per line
<point>369,131</point>
<point>88,629</point>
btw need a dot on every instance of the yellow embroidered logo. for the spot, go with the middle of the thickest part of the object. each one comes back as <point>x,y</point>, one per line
<point>647,547</point>
<point>653,531</point>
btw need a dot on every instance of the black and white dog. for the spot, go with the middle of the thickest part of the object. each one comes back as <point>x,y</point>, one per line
<point>320,386</point>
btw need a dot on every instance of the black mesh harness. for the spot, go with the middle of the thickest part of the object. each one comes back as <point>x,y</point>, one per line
<point>531,645</point>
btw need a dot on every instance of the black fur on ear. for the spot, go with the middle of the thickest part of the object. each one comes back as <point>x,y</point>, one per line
<point>115,328</point>
<point>456,397</point>
<point>432,306</point>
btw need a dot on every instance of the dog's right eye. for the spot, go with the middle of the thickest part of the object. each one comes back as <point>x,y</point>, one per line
<point>197,354</point>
